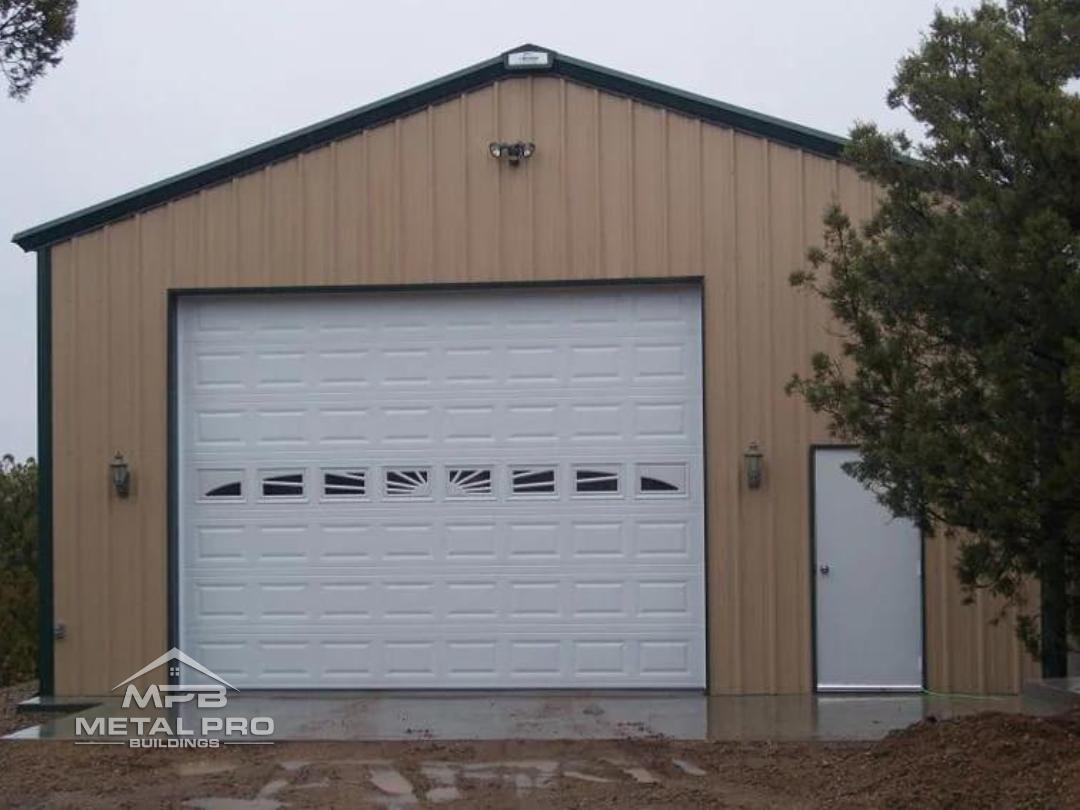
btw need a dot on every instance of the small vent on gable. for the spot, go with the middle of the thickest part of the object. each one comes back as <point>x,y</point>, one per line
<point>529,59</point>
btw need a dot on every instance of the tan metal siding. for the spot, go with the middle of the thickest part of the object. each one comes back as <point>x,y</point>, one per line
<point>617,189</point>
<point>973,646</point>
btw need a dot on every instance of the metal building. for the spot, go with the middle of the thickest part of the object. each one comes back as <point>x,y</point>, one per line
<point>479,386</point>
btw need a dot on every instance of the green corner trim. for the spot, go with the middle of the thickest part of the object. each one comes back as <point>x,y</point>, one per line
<point>46,664</point>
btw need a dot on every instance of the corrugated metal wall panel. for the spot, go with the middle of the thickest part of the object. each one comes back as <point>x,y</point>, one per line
<point>617,189</point>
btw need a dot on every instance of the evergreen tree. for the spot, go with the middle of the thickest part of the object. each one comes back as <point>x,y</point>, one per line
<point>959,302</point>
<point>18,569</point>
<point>32,32</point>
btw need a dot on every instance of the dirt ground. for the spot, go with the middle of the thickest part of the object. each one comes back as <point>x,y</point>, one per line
<point>987,760</point>
<point>10,698</point>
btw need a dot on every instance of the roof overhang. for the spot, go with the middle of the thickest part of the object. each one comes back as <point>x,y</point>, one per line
<point>510,63</point>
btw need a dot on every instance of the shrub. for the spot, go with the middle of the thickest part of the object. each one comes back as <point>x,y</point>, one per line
<point>18,569</point>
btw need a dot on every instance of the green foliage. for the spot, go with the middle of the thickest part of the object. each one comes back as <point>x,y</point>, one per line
<point>18,571</point>
<point>960,302</point>
<point>32,32</point>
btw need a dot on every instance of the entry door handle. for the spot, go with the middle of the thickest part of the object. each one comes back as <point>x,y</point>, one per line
<point>824,569</point>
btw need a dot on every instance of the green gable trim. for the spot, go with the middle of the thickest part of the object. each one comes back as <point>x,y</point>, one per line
<point>412,100</point>
<point>695,106</point>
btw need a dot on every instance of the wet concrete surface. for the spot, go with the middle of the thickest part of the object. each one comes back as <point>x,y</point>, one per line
<point>1065,691</point>
<point>333,716</point>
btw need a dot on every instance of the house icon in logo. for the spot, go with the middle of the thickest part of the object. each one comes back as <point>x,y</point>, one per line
<point>174,658</point>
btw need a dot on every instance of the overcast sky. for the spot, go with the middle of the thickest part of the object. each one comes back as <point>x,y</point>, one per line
<point>149,88</point>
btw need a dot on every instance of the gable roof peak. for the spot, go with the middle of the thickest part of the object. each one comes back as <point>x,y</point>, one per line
<point>417,98</point>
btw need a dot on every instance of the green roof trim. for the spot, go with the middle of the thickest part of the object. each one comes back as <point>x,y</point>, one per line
<point>412,100</point>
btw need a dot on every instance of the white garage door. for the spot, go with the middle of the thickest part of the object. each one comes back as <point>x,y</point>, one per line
<point>494,488</point>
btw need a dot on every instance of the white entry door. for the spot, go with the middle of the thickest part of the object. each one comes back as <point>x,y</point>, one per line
<point>496,488</point>
<point>868,584</point>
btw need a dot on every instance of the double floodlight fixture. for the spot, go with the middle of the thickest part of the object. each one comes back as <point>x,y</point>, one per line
<point>512,153</point>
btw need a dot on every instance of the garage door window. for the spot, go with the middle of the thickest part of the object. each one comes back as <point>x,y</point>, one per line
<point>659,480</point>
<point>283,484</point>
<point>219,485</point>
<point>344,484</point>
<point>532,481</point>
<point>408,482</point>
<point>596,480</point>
<point>468,482</point>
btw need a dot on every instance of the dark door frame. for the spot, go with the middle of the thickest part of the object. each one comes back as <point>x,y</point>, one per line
<point>813,450</point>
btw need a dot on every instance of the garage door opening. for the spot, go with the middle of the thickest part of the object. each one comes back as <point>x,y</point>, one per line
<point>443,489</point>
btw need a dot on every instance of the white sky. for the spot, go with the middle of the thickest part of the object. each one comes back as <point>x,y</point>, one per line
<point>149,88</point>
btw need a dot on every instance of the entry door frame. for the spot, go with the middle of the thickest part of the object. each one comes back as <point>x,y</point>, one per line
<point>812,511</point>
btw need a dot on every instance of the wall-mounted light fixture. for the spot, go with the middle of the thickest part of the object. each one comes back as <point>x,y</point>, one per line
<point>754,466</point>
<point>513,153</point>
<point>121,475</point>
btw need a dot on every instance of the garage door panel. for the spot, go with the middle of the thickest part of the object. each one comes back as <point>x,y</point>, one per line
<point>667,539</point>
<point>367,598</point>
<point>481,489</point>
<point>665,421</point>
<point>420,315</point>
<point>219,370</point>
<point>598,421</point>
<point>520,367</point>
<point>475,544</point>
<point>345,424</point>
<point>471,423</point>
<point>673,478</point>
<point>337,370</point>
<point>462,661</point>
<point>281,544</point>
<point>215,428</point>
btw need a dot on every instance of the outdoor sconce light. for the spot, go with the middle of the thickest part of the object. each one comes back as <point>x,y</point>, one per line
<point>513,152</point>
<point>121,475</point>
<point>754,472</point>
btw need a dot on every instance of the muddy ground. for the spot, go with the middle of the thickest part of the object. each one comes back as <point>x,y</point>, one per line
<point>987,760</point>
<point>10,698</point>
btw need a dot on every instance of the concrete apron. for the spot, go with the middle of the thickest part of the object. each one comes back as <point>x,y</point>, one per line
<point>564,716</point>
